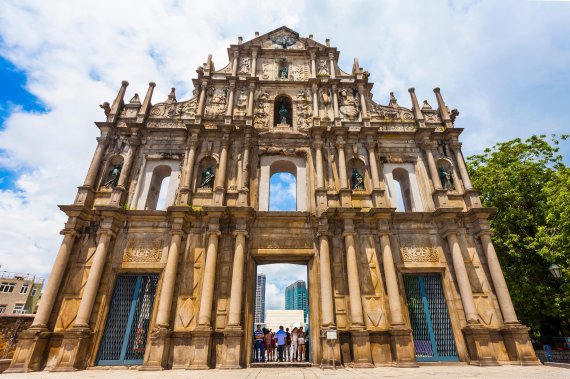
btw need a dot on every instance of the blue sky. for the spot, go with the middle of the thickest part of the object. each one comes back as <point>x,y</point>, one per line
<point>505,65</point>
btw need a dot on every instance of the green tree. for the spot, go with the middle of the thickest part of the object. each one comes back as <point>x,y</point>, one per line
<point>528,184</point>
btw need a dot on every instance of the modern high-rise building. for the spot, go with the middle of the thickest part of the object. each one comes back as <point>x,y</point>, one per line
<point>296,297</point>
<point>259,315</point>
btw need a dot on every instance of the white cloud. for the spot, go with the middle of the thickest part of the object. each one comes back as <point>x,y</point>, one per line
<point>278,276</point>
<point>505,65</point>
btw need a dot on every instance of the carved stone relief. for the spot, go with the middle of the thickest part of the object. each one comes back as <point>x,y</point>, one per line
<point>268,70</point>
<point>419,254</point>
<point>349,105</point>
<point>262,111</point>
<point>244,67</point>
<point>304,110</point>
<point>322,67</point>
<point>144,250</point>
<point>216,103</point>
<point>299,72</point>
<point>240,109</point>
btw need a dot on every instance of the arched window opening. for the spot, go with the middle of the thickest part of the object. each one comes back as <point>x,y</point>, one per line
<point>403,193</point>
<point>357,176</point>
<point>283,187</point>
<point>282,111</point>
<point>206,173</point>
<point>161,203</point>
<point>157,188</point>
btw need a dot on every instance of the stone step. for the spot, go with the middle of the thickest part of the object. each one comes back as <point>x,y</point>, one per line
<point>280,364</point>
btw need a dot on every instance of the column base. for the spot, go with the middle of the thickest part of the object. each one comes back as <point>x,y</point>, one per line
<point>73,351</point>
<point>440,198</point>
<point>518,344</point>
<point>231,349</point>
<point>29,352</point>
<point>201,341</point>
<point>480,346</point>
<point>330,352</point>
<point>362,355</point>
<point>156,354</point>
<point>403,350</point>
<point>345,197</point>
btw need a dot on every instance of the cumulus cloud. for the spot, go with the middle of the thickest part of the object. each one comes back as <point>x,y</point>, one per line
<point>279,276</point>
<point>505,65</point>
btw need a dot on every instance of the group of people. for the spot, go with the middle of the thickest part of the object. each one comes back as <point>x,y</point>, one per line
<point>290,346</point>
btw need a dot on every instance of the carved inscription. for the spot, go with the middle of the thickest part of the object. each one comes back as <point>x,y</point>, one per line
<point>143,250</point>
<point>419,254</point>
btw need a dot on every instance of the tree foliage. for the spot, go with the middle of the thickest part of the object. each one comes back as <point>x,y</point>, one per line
<point>528,184</point>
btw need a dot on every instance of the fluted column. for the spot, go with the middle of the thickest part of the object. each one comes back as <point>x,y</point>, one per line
<point>54,283</point>
<point>93,281</point>
<point>371,146</point>
<point>331,62</point>
<point>462,279</point>
<point>335,101</point>
<point>230,109</point>
<point>315,89</point>
<point>313,64</point>
<point>318,145</point>
<point>169,282</point>
<point>221,174</point>
<point>250,99</point>
<point>95,162</point>
<point>326,280</point>
<point>501,289</point>
<point>253,62</point>
<point>342,164</point>
<point>461,164</point>
<point>188,172</point>
<point>237,279</point>
<point>362,92</point>
<point>353,280</point>
<point>202,98</point>
<point>206,301</point>
<point>431,164</point>
<point>235,63</point>
<point>391,280</point>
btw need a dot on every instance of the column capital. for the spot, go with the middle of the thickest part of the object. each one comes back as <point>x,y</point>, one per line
<point>318,144</point>
<point>240,232</point>
<point>347,233</point>
<point>427,145</point>
<point>371,145</point>
<point>102,140</point>
<point>72,233</point>
<point>134,140</point>
<point>455,145</point>
<point>105,232</point>
<point>340,143</point>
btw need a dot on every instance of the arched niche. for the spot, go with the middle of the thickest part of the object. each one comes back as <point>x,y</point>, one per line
<point>403,186</point>
<point>274,164</point>
<point>111,172</point>
<point>360,167</point>
<point>205,164</point>
<point>282,102</point>
<point>150,187</point>
<point>447,174</point>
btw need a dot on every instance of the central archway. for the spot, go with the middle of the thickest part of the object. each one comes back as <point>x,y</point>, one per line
<point>274,164</point>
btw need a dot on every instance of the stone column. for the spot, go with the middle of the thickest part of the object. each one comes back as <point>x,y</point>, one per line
<point>331,62</point>
<point>353,281</point>
<point>133,143</point>
<point>235,63</point>
<point>501,289</point>
<point>250,99</point>
<point>237,279</point>
<point>371,146</point>
<point>341,164</point>
<point>428,146</point>
<point>221,174</point>
<point>462,279</point>
<point>169,282</point>
<point>313,65</point>
<point>52,288</point>
<point>391,280</point>
<point>231,99</point>
<point>95,162</point>
<point>318,145</point>
<point>362,92</point>
<point>461,164</point>
<point>209,281</point>
<point>93,281</point>
<point>186,189</point>
<point>253,62</point>
<point>315,89</point>
<point>326,281</point>
<point>335,101</point>
<point>202,98</point>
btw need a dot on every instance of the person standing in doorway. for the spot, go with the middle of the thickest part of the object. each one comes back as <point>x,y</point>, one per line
<point>301,342</point>
<point>288,346</point>
<point>258,344</point>
<point>294,341</point>
<point>281,338</point>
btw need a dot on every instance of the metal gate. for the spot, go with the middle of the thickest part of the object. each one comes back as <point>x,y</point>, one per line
<point>126,330</point>
<point>431,328</point>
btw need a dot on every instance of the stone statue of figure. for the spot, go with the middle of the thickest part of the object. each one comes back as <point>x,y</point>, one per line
<point>208,178</point>
<point>283,72</point>
<point>446,179</point>
<point>113,177</point>
<point>357,180</point>
<point>283,114</point>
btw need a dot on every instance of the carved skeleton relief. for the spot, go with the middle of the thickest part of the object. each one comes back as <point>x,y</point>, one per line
<point>304,111</point>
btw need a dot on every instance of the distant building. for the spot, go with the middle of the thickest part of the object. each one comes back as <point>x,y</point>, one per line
<point>259,315</point>
<point>286,318</point>
<point>19,293</point>
<point>296,297</point>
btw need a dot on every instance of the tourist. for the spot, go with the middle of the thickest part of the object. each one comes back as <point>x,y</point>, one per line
<point>258,345</point>
<point>301,343</point>
<point>294,340</point>
<point>288,346</point>
<point>281,338</point>
<point>268,345</point>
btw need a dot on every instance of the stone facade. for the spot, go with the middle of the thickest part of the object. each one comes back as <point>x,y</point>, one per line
<point>354,162</point>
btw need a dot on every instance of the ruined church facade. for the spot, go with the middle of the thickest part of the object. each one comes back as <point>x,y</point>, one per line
<point>158,261</point>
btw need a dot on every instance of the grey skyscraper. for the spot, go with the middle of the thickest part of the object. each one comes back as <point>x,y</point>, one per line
<point>259,315</point>
<point>296,297</point>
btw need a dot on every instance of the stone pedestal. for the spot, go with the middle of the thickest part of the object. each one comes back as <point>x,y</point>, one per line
<point>117,196</point>
<point>362,355</point>
<point>184,196</point>
<point>472,200</point>
<point>85,196</point>
<point>232,349</point>
<point>321,198</point>
<point>403,350</point>
<point>32,344</point>
<point>219,196</point>
<point>72,354</point>
<point>378,198</point>
<point>202,341</point>
<point>156,354</point>
<point>440,198</point>
<point>479,346</point>
<point>345,197</point>
<point>519,346</point>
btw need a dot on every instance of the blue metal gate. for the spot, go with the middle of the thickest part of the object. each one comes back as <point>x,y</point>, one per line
<point>431,328</point>
<point>126,330</point>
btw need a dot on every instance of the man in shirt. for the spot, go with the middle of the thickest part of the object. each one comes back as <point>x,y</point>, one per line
<point>258,337</point>
<point>288,345</point>
<point>281,337</point>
